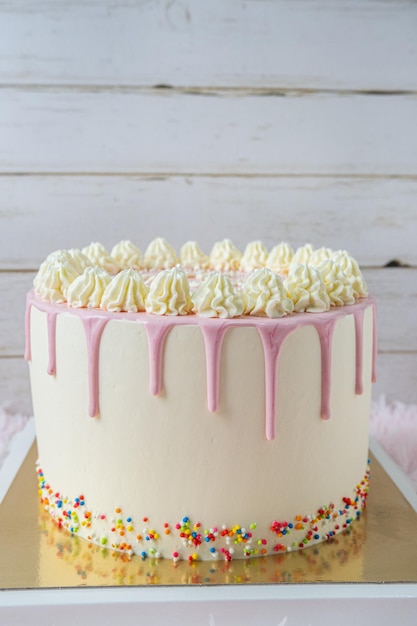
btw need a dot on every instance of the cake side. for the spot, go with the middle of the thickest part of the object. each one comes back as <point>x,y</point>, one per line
<point>162,459</point>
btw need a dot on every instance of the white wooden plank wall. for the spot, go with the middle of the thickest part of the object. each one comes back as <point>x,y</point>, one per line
<point>199,120</point>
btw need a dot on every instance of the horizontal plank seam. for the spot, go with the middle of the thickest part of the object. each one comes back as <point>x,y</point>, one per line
<point>217,90</point>
<point>7,269</point>
<point>400,352</point>
<point>163,175</point>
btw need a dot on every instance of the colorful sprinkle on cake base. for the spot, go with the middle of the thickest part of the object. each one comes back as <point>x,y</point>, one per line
<point>191,540</point>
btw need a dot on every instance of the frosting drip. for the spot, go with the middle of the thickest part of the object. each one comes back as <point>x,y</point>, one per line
<point>272,334</point>
<point>51,322</point>
<point>213,339</point>
<point>93,327</point>
<point>156,334</point>
<point>272,341</point>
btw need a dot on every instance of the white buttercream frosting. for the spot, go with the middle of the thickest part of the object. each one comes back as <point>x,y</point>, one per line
<point>329,278</point>
<point>55,275</point>
<point>192,256</point>
<point>53,280</point>
<point>169,293</point>
<point>254,256</point>
<point>350,267</point>
<point>88,288</point>
<point>306,289</point>
<point>338,286</point>
<point>264,295</point>
<point>126,292</point>
<point>225,256</point>
<point>215,297</point>
<point>127,255</point>
<point>98,255</point>
<point>160,254</point>
<point>79,260</point>
<point>280,257</point>
<point>73,257</point>
<point>319,255</point>
<point>302,255</point>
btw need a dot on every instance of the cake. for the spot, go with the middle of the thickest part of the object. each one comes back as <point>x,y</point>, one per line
<point>199,406</point>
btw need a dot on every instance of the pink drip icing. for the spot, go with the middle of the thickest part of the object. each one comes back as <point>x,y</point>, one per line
<point>358,317</point>
<point>93,327</point>
<point>156,333</point>
<point>272,333</point>
<point>325,332</point>
<point>272,340</point>
<point>51,322</point>
<point>213,340</point>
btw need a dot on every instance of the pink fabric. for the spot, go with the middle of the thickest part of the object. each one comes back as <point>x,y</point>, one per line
<point>393,425</point>
<point>11,422</point>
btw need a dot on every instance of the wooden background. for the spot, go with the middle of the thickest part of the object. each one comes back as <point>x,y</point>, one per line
<point>196,119</point>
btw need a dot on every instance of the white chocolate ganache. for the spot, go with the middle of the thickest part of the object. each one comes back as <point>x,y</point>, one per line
<point>199,406</point>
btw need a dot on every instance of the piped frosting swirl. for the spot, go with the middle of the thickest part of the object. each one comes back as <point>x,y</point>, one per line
<point>254,256</point>
<point>350,267</point>
<point>126,292</point>
<point>225,256</point>
<point>302,255</point>
<point>55,275</point>
<point>251,284</point>
<point>215,297</point>
<point>169,293</point>
<point>338,286</point>
<point>264,295</point>
<point>319,255</point>
<point>88,288</point>
<point>192,256</point>
<point>160,254</point>
<point>280,257</point>
<point>127,255</point>
<point>306,289</point>
<point>98,255</point>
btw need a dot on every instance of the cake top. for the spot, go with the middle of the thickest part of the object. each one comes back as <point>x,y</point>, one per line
<point>226,284</point>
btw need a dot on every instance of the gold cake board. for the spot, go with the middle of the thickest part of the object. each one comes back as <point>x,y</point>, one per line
<point>379,548</point>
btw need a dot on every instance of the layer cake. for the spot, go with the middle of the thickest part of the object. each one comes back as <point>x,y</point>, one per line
<point>201,407</point>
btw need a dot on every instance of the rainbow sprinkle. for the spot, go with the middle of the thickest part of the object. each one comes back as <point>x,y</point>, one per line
<point>191,540</point>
